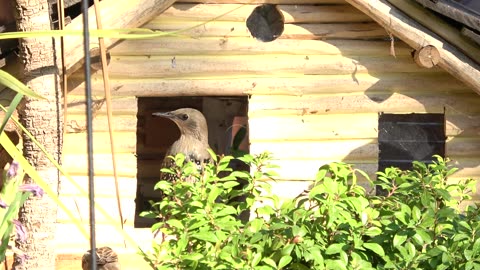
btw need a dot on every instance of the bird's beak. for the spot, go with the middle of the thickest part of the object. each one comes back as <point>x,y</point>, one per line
<point>163,114</point>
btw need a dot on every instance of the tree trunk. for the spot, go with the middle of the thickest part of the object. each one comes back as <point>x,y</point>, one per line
<point>43,119</point>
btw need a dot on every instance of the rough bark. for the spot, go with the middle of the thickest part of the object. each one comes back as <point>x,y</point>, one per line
<point>43,119</point>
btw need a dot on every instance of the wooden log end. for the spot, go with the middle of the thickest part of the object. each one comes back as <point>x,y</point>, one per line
<point>426,57</point>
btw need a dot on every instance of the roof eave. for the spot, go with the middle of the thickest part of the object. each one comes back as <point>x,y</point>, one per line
<point>415,35</point>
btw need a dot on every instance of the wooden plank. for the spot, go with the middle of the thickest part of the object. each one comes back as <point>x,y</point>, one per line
<point>76,143</point>
<point>463,147</point>
<point>247,46</point>
<point>360,149</point>
<point>240,65</point>
<point>69,239</point>
<point>417,36</point>
<point>285,2</point>
<point>468,168</point>
<point>104,185</point>
<point>304,170</point>
<point>313,127</point>
<point>115,14</point>
<point>121,104</point>
<point>80,208</point>
<point>467,104</point>
<point>337,126</point>
<point>240,12</point>
<point>121,123</point>
<point>76,164</point>
<point>462,125</point>
<point>352,150</point>
<point>282,84</point>
<point>291,31</point>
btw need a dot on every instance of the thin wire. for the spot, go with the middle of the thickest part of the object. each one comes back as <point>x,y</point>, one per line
<point>88,95</point>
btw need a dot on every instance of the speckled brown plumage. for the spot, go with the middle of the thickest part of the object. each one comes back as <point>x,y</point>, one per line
<point>193,141</point>
<point>107,259</point>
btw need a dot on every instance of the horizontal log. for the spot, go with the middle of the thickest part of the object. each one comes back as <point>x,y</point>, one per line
<point>362,149</point>
<point>121,104</point>
<point>291,31</point>
<point>306,169</point>
<point>104,186</point>
<point>246,46</point>
<point>79,206</point>
<point>338,127</point>
<point>313,127</point>
<point>466,104</point>
<point>115,14</point>
<point>462,125</point>
<point>165,67</point>
<point>417,36</point>
<point>405,83</point>
<point>240,12</point>
<point>285,2</point>
<point>468,168</point>
<point>352,150</point>
<point>460,147</point>
<point>76,143</point>
<point>68,238</point>
<point>302,170</point>
<point>120,123</point>
<point>76,164</point>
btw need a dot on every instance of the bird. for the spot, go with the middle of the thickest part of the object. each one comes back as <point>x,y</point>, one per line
<point>193,141</point>
<point>107,259</point>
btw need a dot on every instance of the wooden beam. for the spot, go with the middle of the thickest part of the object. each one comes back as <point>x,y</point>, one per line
<point>116,14</point>
<point>417,36</point>
<point>439,27</point>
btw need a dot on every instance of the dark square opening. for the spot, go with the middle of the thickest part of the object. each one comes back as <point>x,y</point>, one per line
<point>404,138</point>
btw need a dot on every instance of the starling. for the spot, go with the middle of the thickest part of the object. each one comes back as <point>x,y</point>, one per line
<point>107,259</point>
<point>193,141</point>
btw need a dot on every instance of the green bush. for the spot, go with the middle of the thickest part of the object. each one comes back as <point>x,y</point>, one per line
<point>335,224</point>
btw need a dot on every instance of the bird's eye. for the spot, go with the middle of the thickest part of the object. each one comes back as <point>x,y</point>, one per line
<point>184,117</point>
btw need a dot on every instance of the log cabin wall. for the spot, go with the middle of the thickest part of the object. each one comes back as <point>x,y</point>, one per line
<point>315,95</point>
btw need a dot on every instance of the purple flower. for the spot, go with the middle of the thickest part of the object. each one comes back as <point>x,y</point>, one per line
<point>13,170</point>
<point>20,230</point>
<point>35,189</point>
<point>3,204</point>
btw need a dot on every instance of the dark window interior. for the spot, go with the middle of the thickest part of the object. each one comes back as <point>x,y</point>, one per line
<point>403,138</point>
<point>225,115</point>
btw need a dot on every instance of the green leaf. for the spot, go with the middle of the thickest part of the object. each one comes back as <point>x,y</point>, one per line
<point>476,247</point>
<point>163,185</point>
<point>192,257</point>
<point>373,231</point>
<point>17,86</point>
<point>205,236</point>
<point>284,261</point>
<point>213,194</point>
<point>175,223</point>
<point>335,264</point>
<point>335,248</point>
<point>416,213</point>
<point>399,239</point>
<point>270,262</point>
<point>257,257</point>
<point>375,248</point>
<point>11,109</point>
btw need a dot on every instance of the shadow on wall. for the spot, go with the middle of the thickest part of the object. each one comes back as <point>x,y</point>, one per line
<point>422,91</point>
